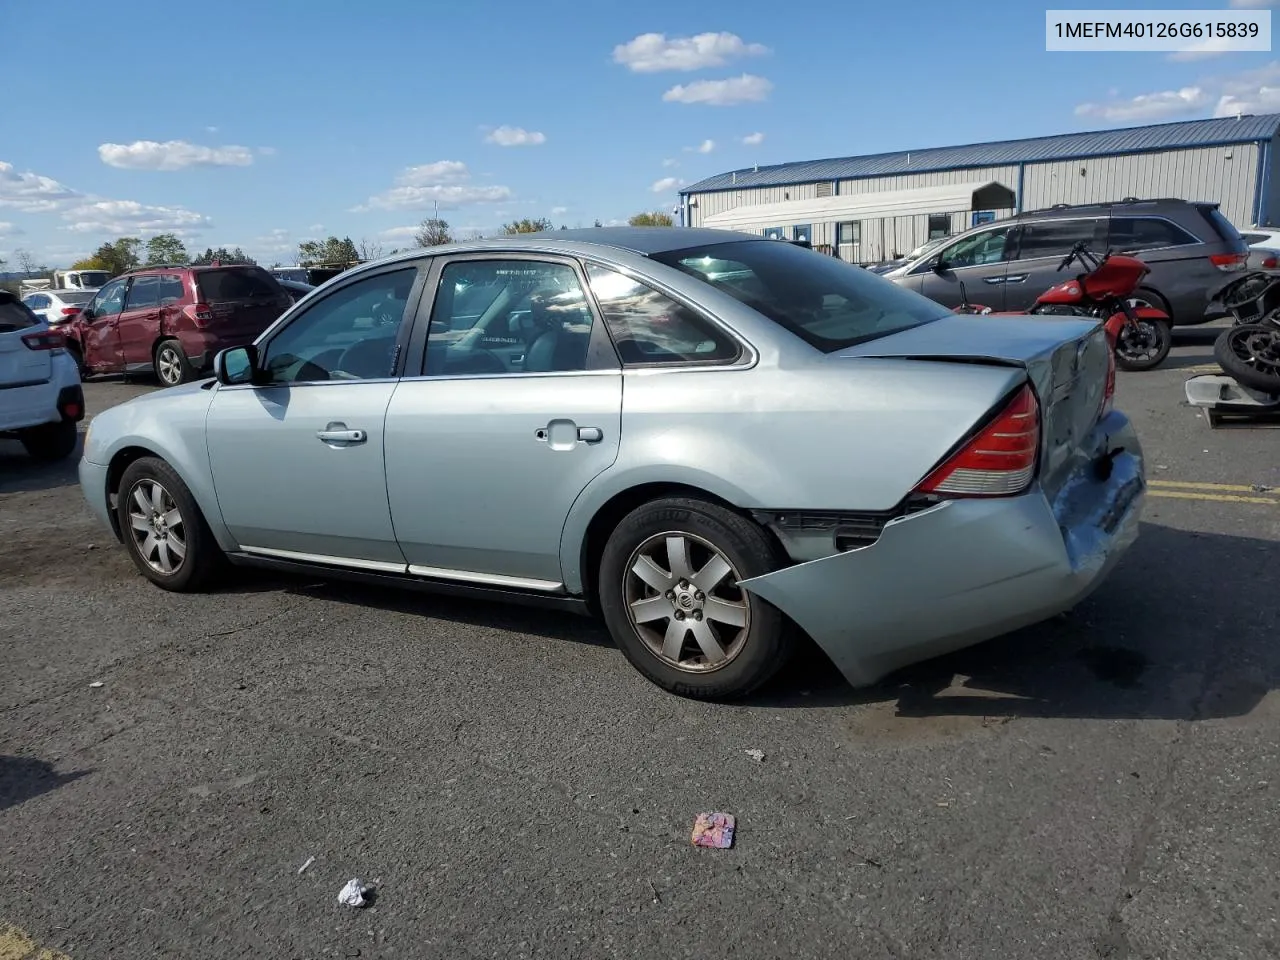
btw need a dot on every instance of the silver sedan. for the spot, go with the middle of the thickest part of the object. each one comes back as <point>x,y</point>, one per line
<point>713,441</point>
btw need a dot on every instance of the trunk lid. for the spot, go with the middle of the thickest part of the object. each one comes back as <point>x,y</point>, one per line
<point>1066,360</point>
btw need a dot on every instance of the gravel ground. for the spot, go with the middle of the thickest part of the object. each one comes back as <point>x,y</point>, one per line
<point>1102,786</point>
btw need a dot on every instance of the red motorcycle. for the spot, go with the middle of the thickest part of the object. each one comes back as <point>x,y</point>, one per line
<point>1140,336</point>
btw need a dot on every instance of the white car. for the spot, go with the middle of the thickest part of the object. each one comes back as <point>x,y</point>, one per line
<point>56,307</point>
<point>41,399</point>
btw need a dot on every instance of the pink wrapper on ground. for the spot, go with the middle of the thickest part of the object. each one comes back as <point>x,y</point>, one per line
<point>713,830</point>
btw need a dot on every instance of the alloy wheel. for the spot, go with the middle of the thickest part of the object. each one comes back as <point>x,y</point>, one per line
<point>684,603</point>
<point>170,365</point>
<point>157,527</point>
<point>1259,349</point>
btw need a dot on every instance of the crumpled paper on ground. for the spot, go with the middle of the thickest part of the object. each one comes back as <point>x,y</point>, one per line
<point>352,894</point>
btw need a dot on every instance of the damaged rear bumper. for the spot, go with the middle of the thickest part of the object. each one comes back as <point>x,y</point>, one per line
<point>965,571</point>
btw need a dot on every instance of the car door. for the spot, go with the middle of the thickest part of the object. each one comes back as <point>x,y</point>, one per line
<point>139,322</point>
<point>100,332</point>
<point>974,270</point>
<point>489,447</point>
<point>297,457</point>
<point>1038,250</point>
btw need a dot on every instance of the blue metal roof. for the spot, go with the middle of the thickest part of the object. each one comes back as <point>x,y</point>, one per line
<point>1066,146</point>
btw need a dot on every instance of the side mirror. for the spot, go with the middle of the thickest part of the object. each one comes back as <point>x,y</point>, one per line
<point>236,365</point>
<point>940,266</point>
<point>85,314</point>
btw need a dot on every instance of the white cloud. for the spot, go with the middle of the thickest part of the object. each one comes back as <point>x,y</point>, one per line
<point>32,193</point>
<point>130,217</point>
<point>316,227</point>
<point>7,229</point>
<point>1252,91</point>
<point>171,155</point>
<point>211,129</point>
<point>666,184</point>
<point>706,146</point>
<point>1148,107</point>
<point>445,183</point>
<point>557,211</point>
<point>654,52</point>
<point>399,233</point>
<point>670,162</point>
<point>753,139</point>
<point>720,93</point>
<point>516,137</point>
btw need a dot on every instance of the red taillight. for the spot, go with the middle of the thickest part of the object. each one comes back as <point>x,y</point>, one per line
<point>1270,263</point>
<point>45,340</point>
<point>70,311</point>
<point>71,410</point>
<point>199,312</point>
<point>1229,261</point>
<point>1000,461</point>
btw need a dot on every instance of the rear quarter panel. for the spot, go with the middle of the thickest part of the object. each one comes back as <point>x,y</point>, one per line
<point>828,435</point>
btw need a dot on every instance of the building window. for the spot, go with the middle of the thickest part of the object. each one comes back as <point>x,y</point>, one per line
<point>849,232</point>
<point>825,189</point>
<point>939,225</point>
<point>773,233</point>
<point>802,232</point>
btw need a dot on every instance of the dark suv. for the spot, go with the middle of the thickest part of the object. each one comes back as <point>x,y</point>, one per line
<point>1191,248</point>
<point>172,320</point>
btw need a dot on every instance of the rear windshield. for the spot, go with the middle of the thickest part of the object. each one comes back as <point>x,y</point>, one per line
<point>1226,229</point>
<point>824,301</point>
<point>75,296</point>
<point>14,315</point>
<point>248,283</point>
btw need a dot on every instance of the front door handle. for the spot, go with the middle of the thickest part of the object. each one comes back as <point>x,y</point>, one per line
<point>338,433</point>
<point>994,280</point>
<point>590,434</point>
<point>1018,279</point>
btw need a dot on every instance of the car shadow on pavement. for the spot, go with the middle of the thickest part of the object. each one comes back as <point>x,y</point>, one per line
<point>24,778</point>
<point>19,473</point>
<point>1183,629</point>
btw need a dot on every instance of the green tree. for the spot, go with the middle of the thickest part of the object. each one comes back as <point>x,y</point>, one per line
<point>166,248</point>
<point>526,226</point>
<point>330,252</point>
<point>91,263</point>
<point>655,219</point>
<point>433,232</point>
<point>221,255</point>
<point>115,257</point>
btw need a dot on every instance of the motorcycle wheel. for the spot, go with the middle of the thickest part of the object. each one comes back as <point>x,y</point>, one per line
<point>1145,348</point>
<point>1250,352</point>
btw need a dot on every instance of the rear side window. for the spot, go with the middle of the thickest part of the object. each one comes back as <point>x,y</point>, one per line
<point>14,315</point>
<point>171,289</point>
<point>1147,233</point>
<point>1226,229</point>
<point>249,283</point>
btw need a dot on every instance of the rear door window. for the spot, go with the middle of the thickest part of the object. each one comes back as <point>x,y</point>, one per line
<point>250,283</point>
<point>1054,238</point>
<point>143,293</point>
<point>171,289</point>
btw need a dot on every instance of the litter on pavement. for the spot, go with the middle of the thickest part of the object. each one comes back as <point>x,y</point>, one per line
<point>352,894</point>
<point>713,830</point>
<point>756,755</point>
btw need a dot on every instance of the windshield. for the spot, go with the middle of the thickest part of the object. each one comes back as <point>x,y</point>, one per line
<point>824,301</point>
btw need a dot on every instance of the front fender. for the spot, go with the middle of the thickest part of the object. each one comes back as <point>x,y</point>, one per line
<point>173,430</point>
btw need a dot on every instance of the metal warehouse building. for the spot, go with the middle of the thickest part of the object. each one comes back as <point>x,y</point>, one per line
<point>876,207</point>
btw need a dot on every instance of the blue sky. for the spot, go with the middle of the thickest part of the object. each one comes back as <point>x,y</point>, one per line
<point>263,124</point>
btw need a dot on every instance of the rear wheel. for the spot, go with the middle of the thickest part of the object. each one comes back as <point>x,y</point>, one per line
<point>669,594</point>
<point>1250,353</point>
<point>77,355</point>
<point>165,532</point>
<point>171,365</point>
<point>50,441</point>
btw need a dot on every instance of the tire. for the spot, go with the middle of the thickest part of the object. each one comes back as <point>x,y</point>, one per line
<point>171,365</point>
<point>50,441</point>
<point>200,561</point>
<point>1250,352</point>
<point>1160,334</point>
<point>755,650</point>
<point>1146,297</point>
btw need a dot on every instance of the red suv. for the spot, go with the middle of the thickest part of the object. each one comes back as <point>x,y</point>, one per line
<point>173,320</point>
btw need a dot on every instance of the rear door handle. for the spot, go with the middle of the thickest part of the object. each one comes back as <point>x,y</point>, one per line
<point>994,280</point>
<point>590,434</point>
<point>1018,279</point>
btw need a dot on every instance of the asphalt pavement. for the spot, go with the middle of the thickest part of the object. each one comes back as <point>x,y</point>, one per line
<point>1100,786</point>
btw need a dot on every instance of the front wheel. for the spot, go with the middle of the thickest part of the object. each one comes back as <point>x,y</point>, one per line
<point>668,586</point>
<point>1250,352</point>
<point>1143,345</point>
<point>166,534</point>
